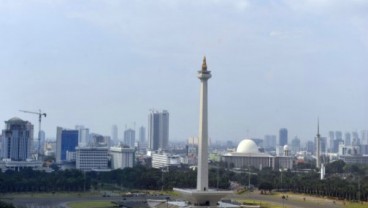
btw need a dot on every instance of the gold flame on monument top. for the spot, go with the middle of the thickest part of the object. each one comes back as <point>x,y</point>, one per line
<point>204,64</point>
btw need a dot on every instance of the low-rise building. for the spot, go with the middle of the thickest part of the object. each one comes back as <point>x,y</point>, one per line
<point>8,164</point>
<point>122,157</point>
<point>247,155</point>
<point>90,158</point>
<point>354,159</point>
<point>163,159</point>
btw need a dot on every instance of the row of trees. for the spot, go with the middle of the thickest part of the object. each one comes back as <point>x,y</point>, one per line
<point>342,181</point>
<point>28,180</point>
<point>139,177</point>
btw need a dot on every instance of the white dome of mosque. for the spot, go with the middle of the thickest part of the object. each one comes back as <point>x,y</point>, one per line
<point>286,147</point>
<point>247,146</point>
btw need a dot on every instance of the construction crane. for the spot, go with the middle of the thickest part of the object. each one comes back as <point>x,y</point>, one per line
<point>40,114</point>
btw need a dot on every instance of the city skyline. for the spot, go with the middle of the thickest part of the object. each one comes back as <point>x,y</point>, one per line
<point>276,64</point>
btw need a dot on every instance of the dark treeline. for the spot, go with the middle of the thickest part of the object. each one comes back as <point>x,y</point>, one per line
<point>139,177</point>
<point>343,181</point>
<point>28,180</point>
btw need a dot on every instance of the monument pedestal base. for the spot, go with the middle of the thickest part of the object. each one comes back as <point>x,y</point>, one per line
<point>207,198</point>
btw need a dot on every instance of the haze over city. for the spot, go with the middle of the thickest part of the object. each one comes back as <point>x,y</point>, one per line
<point>274,64</point>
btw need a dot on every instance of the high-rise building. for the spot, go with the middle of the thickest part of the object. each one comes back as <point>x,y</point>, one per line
<point>336,145</point>
<point>338,135</point>
<point>269,141</point>
<point>364,137</point>
<point>42,136</point>
<point>310,147</point>
<point>323,145</point>
<point>295,145</point>
<point>283,137</point>
<point>129,137</point>
<point>158,132</point>
<point>337,141</point>
<point>122,157</point>
<point>142,144</point>
<point>17,139</point>
<point>66,141</point>
<point>347,138</point>
<point>142,135</point>
<point>356,140</point>
<point>83,135</point>
<point>331,138</point>
<point>114,134</point>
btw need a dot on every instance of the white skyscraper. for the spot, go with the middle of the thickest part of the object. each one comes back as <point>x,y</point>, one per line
<point>122,157</point>
<point>83,135</point>
<point>129,137</point>
<point>158,132</point>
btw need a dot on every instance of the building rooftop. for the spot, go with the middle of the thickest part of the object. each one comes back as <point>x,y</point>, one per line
<point>15,119</point>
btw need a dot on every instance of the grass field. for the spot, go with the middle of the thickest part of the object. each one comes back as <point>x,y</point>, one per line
<point>345,204</point>
<point>91,204</point>
<point>46,195</point>
<point>256,202</point>
<point>299,197</point>
<point>355,205</point>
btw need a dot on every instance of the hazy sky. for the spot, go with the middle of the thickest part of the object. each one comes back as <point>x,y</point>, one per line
<point>274,64</point>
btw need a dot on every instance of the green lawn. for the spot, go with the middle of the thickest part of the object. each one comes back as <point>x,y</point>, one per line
<point>255,202</point>
<point>91,204</point>
<point>46,195</point>
<point>356,205</point>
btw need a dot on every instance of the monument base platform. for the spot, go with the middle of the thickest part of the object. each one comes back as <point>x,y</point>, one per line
<point>208,198</point>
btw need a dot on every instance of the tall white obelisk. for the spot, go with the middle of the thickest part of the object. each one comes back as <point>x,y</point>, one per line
<point>202,174</point>
<point>202,195</point>
<point>318,145</point>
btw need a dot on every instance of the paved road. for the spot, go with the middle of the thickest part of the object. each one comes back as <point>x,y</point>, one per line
<point>292,201</point>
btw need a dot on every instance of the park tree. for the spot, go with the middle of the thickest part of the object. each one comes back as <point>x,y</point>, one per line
<point>335,167</point>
